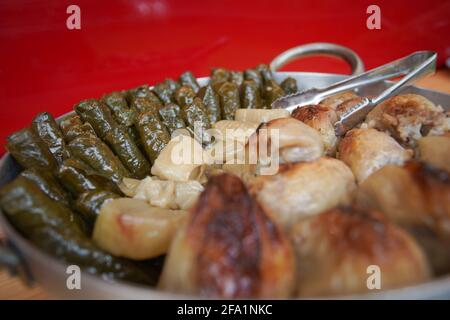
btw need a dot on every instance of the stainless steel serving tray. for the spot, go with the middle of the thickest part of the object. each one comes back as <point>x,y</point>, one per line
<point>50,273</point>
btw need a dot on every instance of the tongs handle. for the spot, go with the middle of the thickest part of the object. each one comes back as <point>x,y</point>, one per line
<point>403,66</point>
<point>417,65</point>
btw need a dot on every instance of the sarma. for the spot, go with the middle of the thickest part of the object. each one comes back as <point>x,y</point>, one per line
<point>29,151</point>
<point>46,128</point>
<point>92,151</point>
<point>153,134</point>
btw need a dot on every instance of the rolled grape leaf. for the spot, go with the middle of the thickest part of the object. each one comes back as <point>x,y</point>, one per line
<point>46,128</point>
<point>153,133</point>
<point>30,151</point>
<point>92,151</point>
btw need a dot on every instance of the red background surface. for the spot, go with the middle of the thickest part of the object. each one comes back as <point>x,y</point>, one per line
<point>121,44</point>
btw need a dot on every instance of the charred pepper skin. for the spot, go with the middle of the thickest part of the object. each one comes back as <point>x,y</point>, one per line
<point>250,95</point>
<point>229,100</point>
<point>289,85</point>
<point>211,101</point>
<point>171,117</point>
<point>154,134</point>
<point>54,228</point>
<point>188,79</point>
<point>29,151</point>
<point>45,127</point>
<point>96,154</point>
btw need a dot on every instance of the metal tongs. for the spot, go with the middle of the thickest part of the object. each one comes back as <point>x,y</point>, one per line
<point>412,67</point>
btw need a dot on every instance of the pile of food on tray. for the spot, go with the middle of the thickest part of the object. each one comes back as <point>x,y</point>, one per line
<point>101,189</point>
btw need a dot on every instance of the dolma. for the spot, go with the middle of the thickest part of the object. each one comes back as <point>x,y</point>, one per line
<point>172,84</point>
<point>188,79</point>
<point>99,116</point>
<point>272,91</point>
<point>218,77</point>
<point>29,151</point>
<point>72,126</point>
<point>95,153</point>
<point>45,127</point>
<point>211,101</point>
<point>250,95</point>
<point>255,75</point>
<point>48,184</point>
<point>52,228</point>
<point>88,204</point>
<point>164,92</point>
<point>196,118</point>
<point>289,85</point>
<point>73,175</point>
<point>237,77</point>
<point>171,117</point>
<point>265,72</point>
<point>122,113</point>
<point>229,100</point>
<point>153,133</point>
<point>184,95</point>
<point>128,152</point>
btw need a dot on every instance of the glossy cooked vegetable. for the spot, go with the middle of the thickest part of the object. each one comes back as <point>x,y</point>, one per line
<point>188,166</point>
<point>171,117</point>
<point>128,152</point>
<point>184,95</point>
<point>29,151</point>
<point>172,84</point>
<point>254,75</point>
<point>53,228</point>
<point>265,72</point>
<point>122,113</point>
<point>237,77</point>
<point>73,174</point>
<point>46,128</point>
<point>153,133</point>
<point>229,248</point>
<point>164,92</point>
<point>166,194</point>
<point>48,184</point>
<point>96,154</point>
<point>89,204</point>
<point>289,85</point>
<point>196,118</point>
<point>271,92</point>
<point>188,79</point>
<point>250,95</point>
<point>218,77</point>
<point>99,116</point>
<point>229,99</point>
<point>133,229</point>
<point>72,126</point>
<point>212,103</point>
